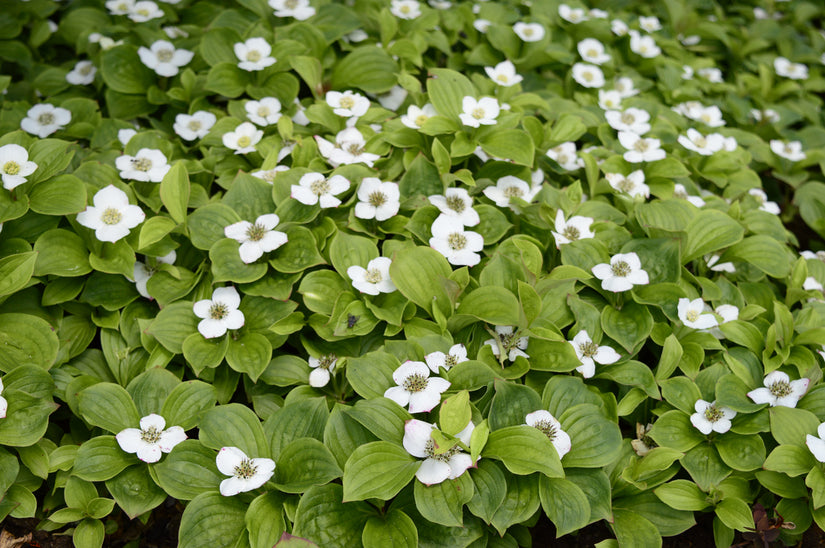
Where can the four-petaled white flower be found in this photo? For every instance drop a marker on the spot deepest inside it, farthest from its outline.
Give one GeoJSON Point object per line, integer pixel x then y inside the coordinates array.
{"type": "Point", "coordinates": [459, 246]}
{"type": "Point", "coordinates": [619, 27]}
{"type": "Point", "coordinates": [314, 188]}
{"type": "Point", "coordinates": [572, 15]}
{"type": "Point", "coordinates": [44, 119]}
{"type": "Point", "coordinates": [149, 164]}
{"type": "Point", "coordinates": [481, 112]}
{"type": "Point", "coordinates": [163, 58]}
{"type": "Point", "coordinates": [566, 156]}
{"type": "Point", "coordinates": [609, 99]}
{"type": "Point", "coordinates": [716, 266]}
{"type": "Point", "coordinates": [349, 148]}
{"type": "Point", "coordinates": [436, 467]}
{"type": "Point", "coordinates": [416, 116]}
{"type": "Point", "coordinates": [416, 388]}
{"type": "Point", "coordinates": [219, 313]}
{"type": "Point", "coordinates": [710, 417]}
{"type": "Point", "coordinates": [640, 149]}
{"type": "Point", "coordinates": [482, 25]}
{"type": "Point", "coordinates": [265, 112]}
{"type": "Point", "coordinates": [706, 145]}
{"type": "Point", "coordinates": [592, 51]}
{"type": "Point", "coordinates": [548, 425]}
{"type": "Point", "coordinates": [392, 99]}
{"type": "Point", "coordinates": [348, 103]}
{"type": "Point", "coordinates": [679, 191]}
{"type": "Point", "coordinates": [82, 74]}
{"type": "Point", "coordinates": [243, 139]}
{"type": "Point", "coordinates": [812, 284]}
{"type": "Point", "coordinates": [634, 120]}
{"type": "Point", "coordinates": [438, 359]}
{"type": "Point", "coordinates": [794, 71]}
{"type": "Point", "coordinates": [405, 9]}
{"type": "Point", "coordinates": [152, 439]}
{"type": "Point", "coordinates": [780, 390]}
{"type": "Point", "coordinates": [504, 74]}
{"type": "Point", "coordinates": [633, 184]}
{"type": "Point", "coordinates": [125, 135]}
{"type": "Point", "coordinates": [143, 11]}
{"type": "Point", "coordinates": [817, 444]}
{"type": "Point", "coordinates": [650, 24]}
{"type": "Point", "coordinates": [589, 352]}
{"type": "Point", "coordinates": [790, 150]}
{"type": "Point", "coordinates": [194, 126]}
{"type": "Point", "coordinates": [574, 228]}
{"type": "Point", "coordinates": [587, 75]}
{"type": "Point", "coordinates": [246, 473]}
{"type": "Point", "coordinates": [256, 238]}
{"type": "Point", "coordinates": [321, 369]}
{"type": "Point", "coordinates": [509, 341]}
{"type": "Point", "coordinates": [377, 199]}
{"type": "Point", "coordinates": [111, 216]}
{"type": "Point", "coordinates": [374, 279]}
{"type": "Point", "coordinates": [4, 405]}
{"type": "Point", "coordinates": [711, 74]}
{"type": "Point", "coordinates": [644, 46]}
{"type": "Point", "coordinates": [254, 54]}
{"type": "Point", "coordinates": [508, 187]}
{"type": "Point", "coordinates": [623, 272]}
{"type": "Point", "coordinates": [15, 165]}
{"type": "Point", "coordinates": [767, 114]}
{"type": "Point", "coordinates": [119, 7]}
{"type": "Point", "coordinates": [457, 203]}
{"type": "Point", "coordinates": [692, 314]}
{"type": "Point", "coordinates": [144, 271]}
{"type": "Point", "coordinates": [299, 9]}
{"type": "Point", "coordinates": [764, 203]}
{"type": "Point", "coordinates": [529, 32]}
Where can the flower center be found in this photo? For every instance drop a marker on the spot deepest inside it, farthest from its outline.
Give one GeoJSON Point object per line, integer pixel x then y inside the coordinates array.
{"type": "Point", "coordinates": [503, 78]}
{"type": "Point", "coordinates": [141, 164]}
{"type": "Point", "coordinates": [405, 9]}
{"type": "Point", "coordinates": [150, 435]}
{"type": "Point", "coordinates": [713, 414]}
{"type": "Point", "coordinates": [85, 69]}
{"type": "Point", "coordinates": [788, 149]}
{"type": "Point", "coordinates": [705, 118]}
{"type": "Point", "coordinates": [143, 11]}
{"type": "Point", "coordinates": [456, 204]}
{"type": "Point", "coordinates": [780, 389]}
{"type": "Point", "coordinates": [347, 102]}
{"type": "Point", "coordinates": [256, 232]}
{"type": "Point", "coordinates": [253, 56]}
{"type": "Point", "coordinates": [457, 241]}
{"type": "Point", "coordinates": [592, 52]}
{"type": "Point", "coordinates": [588, 76]}
{"type": "Point", "coordinates": [194, 125]}
{"type": "Point", "coordinates": [326, 361]}
{"type": "Point", "coordinates": [589, 349]}
{"type": "Point", "coordinates": [415, 383]}
{"type": "Point", "coordinates": [263, 111]}
{"type": "Point", "coordinates": [620, 269]}
{"type": "Point", "coordinates": [319, 187]}
{"type": "Point", "coordinates": [680, 194]}
{"type": "Point", "coordinates": [641, 145]}
{"type": "Point", "coordinates": [291, 4]}
{"type": "Point", "coordinates": [373, 276]}
{"type": "Point", "coordinates": [244, 141]}
{"type": "Point", "coordinates": [571, 233]}
{"type": "Point", "coordinates": [111, 216]}
{"type": "Point", "coordinates": [420, 119]}
{"type": "Point", "coordinates": [701, 142]}
{"type": "Point", "coordinates": [46, 119]}
{"type": "Point", "coordinates": [165, 55]}
{"type": "Point", "coordinates": [11, 168]}
{"type": "Point", "coordinates": [626, 185]}
{"type": "Point", "coordinates": [643, 48]}
{"type": "Point", "coordinates": [692, 315]}
{"type": "Point", "coordinates": [628, 118]}
{"type": "Point", "coordinates": [450, 361]}
{"type": "Point", "coordinates": [513, 192]}
{"type": "Point", "coordinates": [528, 31]}
{"type": "Point", "coordinates": [377, 199]}
{"type": "Point", "coordinates": [429, 450]}
{"type": "Point", "coordinates": [245, 469]}
{"type": "Point", "coordinates": [218, 311]}
{"type": "Point", "coordinates": [478, 113]}
{"type": "Point", "coordinates": [547, 428]}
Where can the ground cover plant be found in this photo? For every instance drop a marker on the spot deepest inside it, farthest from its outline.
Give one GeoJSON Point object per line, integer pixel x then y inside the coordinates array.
{"type": "Point", "coordinates": [396, 273]}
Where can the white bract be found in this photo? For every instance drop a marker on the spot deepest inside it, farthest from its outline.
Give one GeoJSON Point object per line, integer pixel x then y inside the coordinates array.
{"type": "Point", "coordinates": [640, 149]}
{"type": "Point", "coordinates": [812, 284]}
{"type": "Point", "coordinates": [4, 405]}
{"type": "Point", "coordinates": [44, 119]}
{"type": "Point", "coordinates": [592, 51]}
{"type": "Point", "coordinates": [265, 112]}
{"type": "Point", "coordinates": [143, 11]}
{"type": "Point", "coordinates": [119, 7]}
{"type": "Point", "coordinates": [377, 199]}
{"type": "Point", "coordinates": [392, 99]}
{"type": "Point", "coordinates": [764, 203]}
{"type": "Point", "coordinates": [706, 145]}
{"type": "Point", "coordinates": [623, 272]}
{"type": "Point", "coordinates": [644, 46]}
{"type": "Point", "coordinates": [416, 116]}
{"type": "Point", "coordinates": [634, 120]}
{"type": "Point", "coordinates": [794, 71]}
{"type": "Point", "coordinates": [246, 473]}
{"type": "Point", "coordinates": [482, 25]}
{"type": "Point", "coordinates": [711, 74]}
{"type": "Point", "coordinates": [619, 27]}
{"type": "Point", "coordinates": [589, 353]}
{"type": "Point", "coordinates": [692, 314]}
{"type": "Point", "coordinates": [481, 112]}
{"type": "Point", "coordinates": [790, 150]}
{"type": "Point", "coordinates": [314, 188]}
{"type": "Point", "coordinates": [151, 440]}
{"type": "Point", "coordinates": [566, 156]}
{"type": "Point", "coordinates": [416, 388]}
{"type": "Point", "coordinates": [817, 443]}
{"type": "Point", "coordinates": [163, 58]}
{"type": "Point", "coordinates": [548, 425]}
{"type": "Point", "coordinates": [111, 216]}
{"type": "Point", "coordinates": [632, 184]}
{"type": "Point", "coordinates": [15, 165]}
{"type": "Point", "coordinates": [572, 15]}
{"type": "Point", "coordinates": [609, 99]}
{"type": "Point", "coordinates": [194, 126]}
{"type": "Point", "coordinates": [321, 369]}
{"type": "Point", "coordinates": [436, 467]}
{"type": "Point", "coordinates": [144, 271]}
{"type": "Point", "coordinates": [679, 191]}
{"type": "Point", "coordinates": [767, 114]}
{"type": "Point", "coordinates": [256, 238]}
{"type": "Point", "coordinates": [438, 359]}
{"type": "Point", "coordinates": [504, 74]}
{"type": "Point", "coordinates": [780, 390]}
{"type": "Point", "coordinates": [219, 313]}
{"type": "Point", "coordinates": [254, 54]}
{"type": "Point", "coordinates": [716, 266]}
{"type": "Point", "coordinates": [243, 139]}
{"type": "Point", "coordinates": [82, 74]}
{"type": "Point", "coordinates": [508, 341]}
{"type": "Point", "coordinates": [374, 279]}
{"type": "Point", "coordinates": [626, 87]}
{"type": "Point", "coordinates": [529, 32]}
{"type": "Point", "coordinates": [347, 149]}
{"type": "Point", "coordinates": [149, 164]}
{"type": "Point", "coordinates": [508, 187]}
{"type": "Point", "coordinates": [405, 9]}
{"type": "Point", "coordinates": [587, 75]}
{"type": "Point", "coordinates": [574, 228]}
{"type": "Point", "coordinates": [710, 417]}
{"type": "Point", "coordinates": [459, 246]}
{"type": "Point", "coordinates": [649, 24]}
{"type": "Point", "coordinates": [299, 9]}
{"type": "Point", "coordinates": [125, 135]}
{"type": "Point", "coordinates": [457, 203]}
{"type": "Point", "coordinates": [348, 103]}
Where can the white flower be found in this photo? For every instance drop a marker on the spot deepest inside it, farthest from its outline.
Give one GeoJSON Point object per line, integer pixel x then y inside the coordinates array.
{"type": "Point", "coordinates": [634, 120]}
{"type": "Point", "coordinates": [194, 126]}
{"type": "Point", "coordinates": [82, 74]}
{"type": "Point", "coordinates": [706, 145]}
{"type": "Point", "coordinates": [111, 216]}
{"type": "Point", "coordinates": [633, 184]}
{"type": "Point", "coordinates": [358, 35]}
{"type": "Point", "coordinates": [4, 405]}
{"type": "Point", "coordinates": [504, 74]}
{"type": "Point", "coordinates": [151, 440]}
{"type": "Point", "coordinates": [481, 25]}
{"type": "Point", "coordinates": [529, 32]}
{"type": "Point", "coordinates": [377, 200]}
{"type": "Point", "coordinates": [246, 474]}
{"type": "Point", "coordinates": [254, 54]}
{"type": "Point", "coordinates": [479, 112]}
{"type": "Point", "coordinates": [780, 390]}
{"type": "Point", "coordinates": [457, 203]}
{"type": "Point", "coordinates": [679, 191]}
{"type": "Point", "coordinates": [587, 75]}
{"type": "Point", "coordinates": [299, 9]}
{"type": "Point", "coordinates": [691, 40]}
{"type": "Point", "coordinates": [721, 267]}
{"type": "Point", "coordinates": [712, 74]}
{"type": "Point", "coordinates": [348, 149]}
{"type": "Point", "coordinates": [592, 51]}
{"type": "Point", "coordinates": [393, 98]}
{"type": "Point", "coordinates": [143, 11]}
{"type": "Point", "coordinates": [313, 188]}
{"type": "Point", "coordinates": [589, 352]}
{"type": "Point", "coordinates": [644, 46]}
{"type": "Point", "coordinates": [812, 284]}
{"type": "Point", "coordinates": [650, 24]}
{"type": "Point", "coordinates": [163, 58]}
{"type": "Point", "coordinates": [794, 71]}
{"type": "Point", "coordinates": [768, 114]}
{"type": "Point", "coordinates": [609, 99]}
{"type": "Point", "coordinates": [623, 272]}
{"type": "Point", "coordinates": [728, 312]}
{"type": "Point", "coordinates": [687, 72]}
{"type": "Point", "coordinates": [15, 165]}
{"type": "Point", "coordinates": [619, 27]}
{"type": "Point", "coordinates": [626, 87]}
{"type": "Point", "coordinates": [258, 238]}
{"type": "Point", "coordinates": [640, 149]}
{"type": "Point", "coordinates": [710, 116]}
{"type": "Point", "coordinates": [566, 156]}
{"type": "Point", "coordinates": [125, 135]}
{"type": "Point", "coordinates": [348, 103]}
{"type": "Point", "coordinates": [459, 246]}
{"type": "Point", "coordinates": [509, 341]}
{"type": "Point", "coordinates": [764, 204]}
{"type": "Point", "coordinates": [574, 228]}
{"type": "Point", "coordinates": [243, 139]}
{"type": "Point", "coordinates": [817, 444]}
{"type": "Point", "coordinates": [436, 467]}
{"type": "Point", "coordinates": [416, 116]}
{"type": "Point", "coordinates": [510, 187]}
{"type": "Point", "coordinates": [710, 417]}
{"type": "Point", "coordinates": [790, 150]}
{"type": "Point", "coordinates": [440, 4]}
{"type": "Point", "coordinates": [416, 388]}
{"type": "Point", "coordinates": [321, 369]}
{"type": "Point", "coordinates": [374, 279]}
{"type": "Point", "coordinates": [405, 9]}
{"type": "Point", "coordinates": [818, 255]}
{"type": "Point", "coordinates": [691, 314]}
{"type": "Point", "coordinates": [149, 164]}
{"type": "Point", "coordinates": [219, 313]}
{"type": "Point", "coordinates": [144, 271]}
{"type": "Point", "coordinates": [119, 7]}
{"type": "Point", "coordinates": [269, 174]}
{"type": "Point", "coordinates": [265, 112]}
{"type": "Point", "coordinates": [598, 14]}
{"type": "Point", "coordinates": [44, 119]}
{"type": "Point", "coordinates": [173, 32]}
{"type": "Point", "coordinates": [572, 15]}
{"type": "Point", "coordinates": [300, 116]}
{"type": "Point", "coordinates": [456, 355]}
{"type": "Point", "coordinates": [550, 427]}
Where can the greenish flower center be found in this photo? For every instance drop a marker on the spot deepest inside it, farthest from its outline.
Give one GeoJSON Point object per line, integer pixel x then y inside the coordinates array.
{"type": "Point", "coordinates": [456, 204]}
{"type": "Point", "coordinates": [111, 216]}
{"type": "Point", "coordinates": [478, 113]}
{"type": "Point", "coordinates": [571, 233]}
{"type": "Point", "coordinates": [263, 111]}
{"type": "Point", "coordinates": [641, 145]}
{"type": "Point", "coordinates": [46, 119]}
{"type": "Point", "coordinates": [373, 276]}
{"type": "Point", "coordinates": [503, 78]}
{"type": "Point", "coordinates": [713, 413]}
{"type": "Point", "coordinates": [420, 119]}
{"type": "Point", "coordinates": [588, 76]}
{"type": "Point", "coordinates": [291, 4]}
{"type": "Point", "coordinates": [620, 269]}
{"type": "Point", "coordinates": [588, 349]}
{"type": "Point", "coordinates": [256, 232]}
{"type": "Point", "coordinates": [319, 187]}
{"type": "Point", "coordinates": [85, 69]}
{"type": "Point", "coordinates": [513, 192]}
{"type": "Point", "coordinates": [701, 142]}
{"type": "Point", "coordinates": [528, 31]}
{"type": "Point", "coordinates": [11, 168]}
{"type": "Point", "coordinates": [194, 125]}
{"type": "Point", "coordinates": [253, 56]}
{"type": "Point", "coordinates": [245, 469]}
{"type": "Point", "coordinates": [141, 164]}
{"type": "Point", "coordinates": [347, 102]}
{"type": "Point", "coordinates": [244, 141]}
{"type": "Point", "coordinates": [377, 199]}
{"type": "Point", "coordinates": [354, 149]}
{"type": "Point", "coordinates": [780, 389]}
{"type": "Point", "coordinates": [547, 428]}
{"type": "Point", "coordinates": [628, 118]}
{"type": "Point", "coordinates": [415, 383]}
{"type": "Point", "coordinates": [456, 241]}
{"type": "Point", "coordinates": [429, 450]}
{"type": "Point", "coordinates": [150, 435]}
{"type": "Point", "coordinates": [692, 315]}
{"type": "Point", "coordinates": [218, 311]}
{"type": "Point", "coordinates": [326, 361]}
{"type": "Point", "coordinates": [450, 361]}
{"type": "Point", "coordinates": [165, 55]}
{"type": "Point", "coordinates": [626, 185]}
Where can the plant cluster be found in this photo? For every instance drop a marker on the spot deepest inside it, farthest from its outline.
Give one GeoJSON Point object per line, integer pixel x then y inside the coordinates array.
{"type": "Point", "coordinates": [396, 273]}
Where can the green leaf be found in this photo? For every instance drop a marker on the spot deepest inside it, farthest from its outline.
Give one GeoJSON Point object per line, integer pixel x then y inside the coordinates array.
{"type": "Point", "coordinates": [490, 489]}
{"type": "Point", "coordinates": [512, 144]}
{"type": "Point", "coordinates": [212, 520]}
{"type": "Point", "coordinates": [100, 459]}
{"type": "Point", "coordinates": [682, 495]}
{"type": "Point", "coordinates": [455, 413]}
{"type": "Point", "coordinates": [89, 533]}
{"type": "Point", "coordinates": [348, 250]}
{"type": "Point", "coordinates": [233, 425]}
{"type": "Point", "coordinates": [564, 503]}
{"type": "Point", "coordinates": [207, 222]}
{"type": "Point", "coordinates": [188, 471]}
{"type": "Point", "coordinates": [173, 324]}
{"type": "Point", "coordinates": [16, 271]}
{"type": "Point", "coordinates": [227, 265]}
{"type": "Point", "coordinates": [744, 453]}
{"type": "Point", "coordinates": [26, 339]}
{"type": "Point", "coordinates": [382, 417]}
{"type": "Point", "coordinates": [629, 327]}
{"type": "Point", "coordinates": [302, 419]}
{"type": "Point", "coordinates": [446, 89]}
{"type": "Point", "coordinates": [763, 252]}
{"type": "Point", "coordinates": [135, 492]}
{"type": "Point", "coordinates": [366, 67]}
{"type": "Point", "coordinates": [491, 304]}
{"type": "Point", "coordinates": [705, 467]}
{"type": "Point", "coordinates": [524, 450]}
{"type": "Point", "coordinates": [735, 513]}
{"type": "Point", "coordinates": [710, 230]}
{"type": "Point", "coordinates": [299, 253]}
{"type": "Point", "coordinates": [322, 518]}
{"type": "Point", "coordinates": [204, 353]}
{"type": "Point", "coordinates": [631, 529]}
{"type": "Point", "coordinates": [443, 502]}
{"type": "Point", "coordinates": [265, 520]}
{"type": "Point", "coordinates": [303, 463]}
{"type": "Point", "coordinates": [123, 71]}
{"type": "Point", "coordinates": [393, 530]}
{"type": "Point", "coordinates": [511, 404]}
{"type": "Point", "coordinates": [51, 157]}
{"type": "Point", "coordinates": [419, 274]}
{"type": "Point", "coordinates": [790, 426]}
{"type": "Point", "coordinates": [174, 192]}
{"type": "Point", "coordinates": [62, 195]}
{"type": "Point", "coordinates": [371, 374]}
{"type": "Point", "coordinates": [674, 430]}
{"type": "Point", "coordinates": [681, 392]}
{"type": "Point", "coordinates": [596, 440]}
{"type": "Point", "coordinates": [249, 354]}
{"type": "Point", "coordinates": [378, 470]}
{"type": "Point", "coordinates": [226, 79]}
{"type": "Point", "coordinates": [108, 406]}
{"type": "Point", "coordinates": [153, 230]}
{"type": "Point", "coordinates": [519, 504]}
{"type": "Point", "coordinates": [186, 402]}
{"type": "Point", "coordinates": [792, 460]}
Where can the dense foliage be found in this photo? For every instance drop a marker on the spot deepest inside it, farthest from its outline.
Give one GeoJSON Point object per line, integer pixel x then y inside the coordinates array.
{"type": "Point", "coordinates": [396, 273]}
